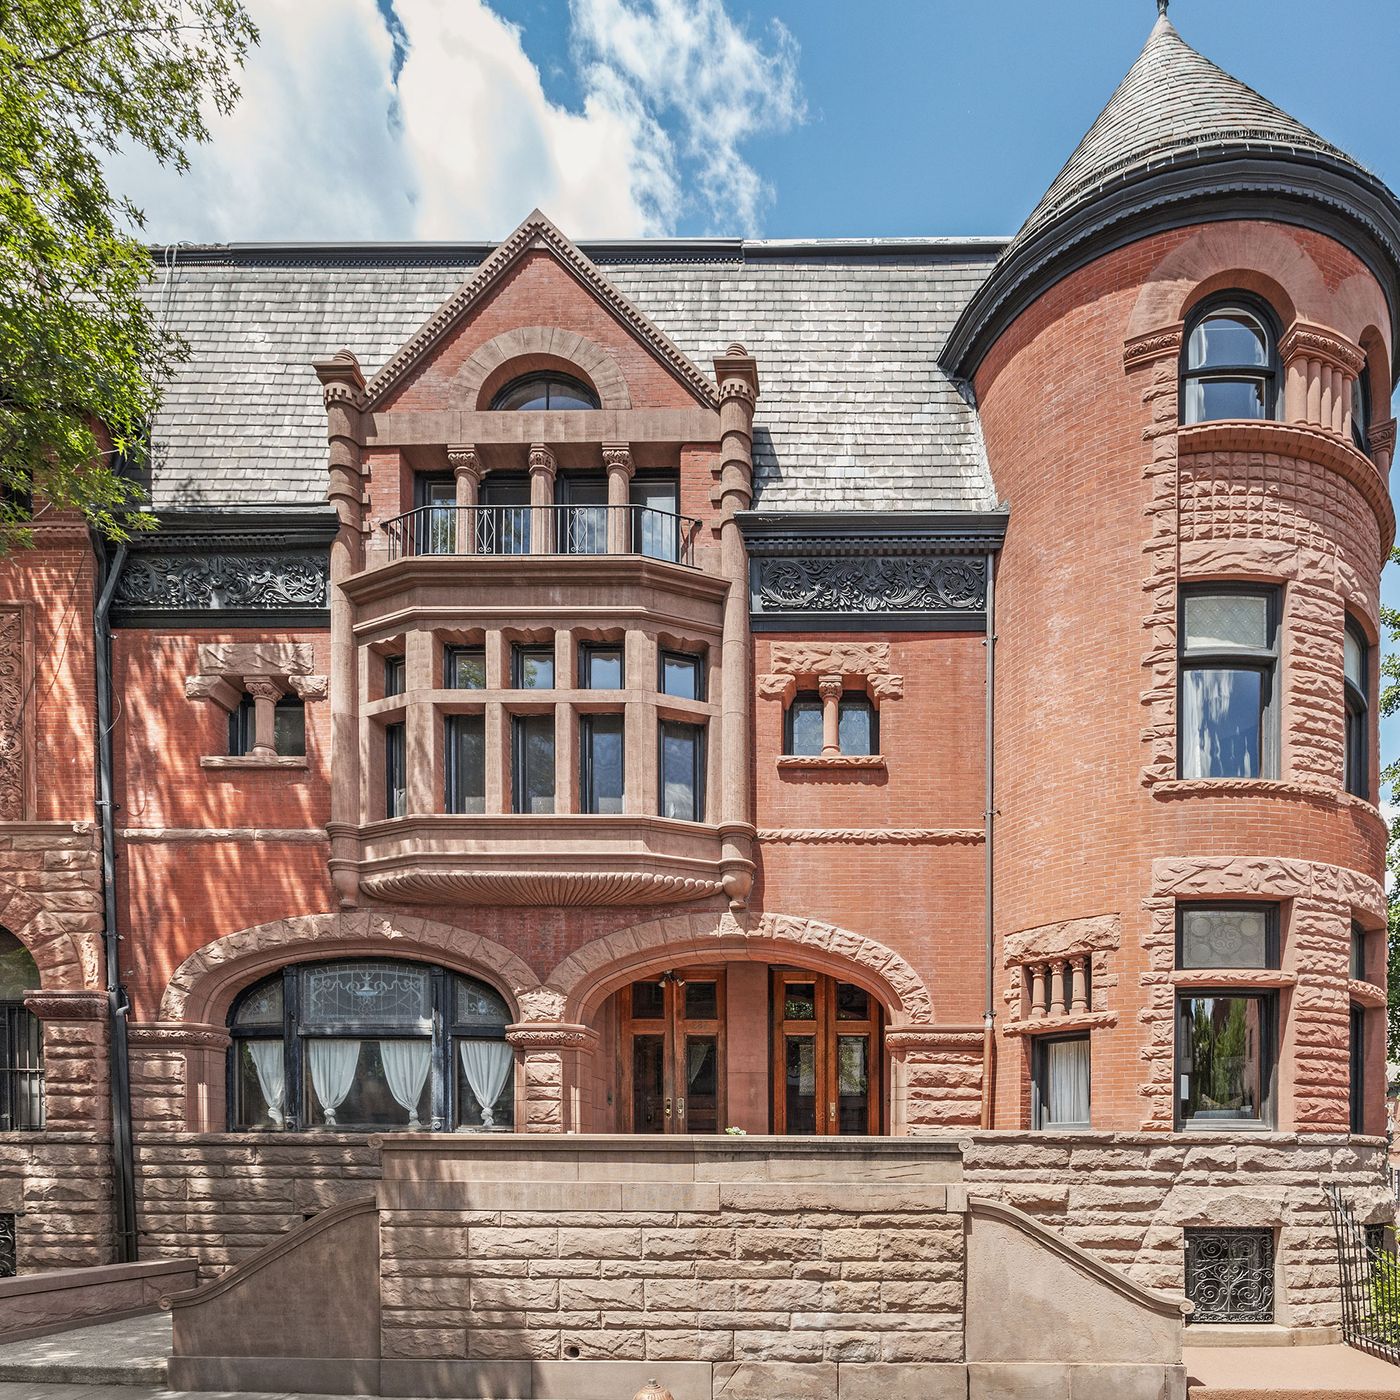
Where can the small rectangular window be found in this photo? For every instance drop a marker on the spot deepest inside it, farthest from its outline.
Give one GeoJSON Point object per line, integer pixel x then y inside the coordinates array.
{"type": "Point", "coordinates": [682, 675]}
{"type": "Point", "coordinates": [1060, 1087]}
{"type": "Point", "coordinates": [465, 762]}
{"type": "Point", "coordinates": [532, 668]}
{"type": "Point", "coordinates": [1225, 1059]}
{"type": "Point", "coordinates": [600, 666]}
{"type": "Point", "coordinates": [533, 767]}
{"type": "Point", "coordinates": [466, 668]}
{"type": "Point", "coordinates": [394, 676]}
{"type": "Point", "coordinates": [288, 728]}
{"type": "Point", "coordinates": [395, 792]}
{"type": "Point", "coordinates": [601, 745]}
{"type": "Point", "coordinates": [1227, 680]}
{"type": "Point", "coordinates": [682, 771]}
{"type": "Point", "coordinates": [858, 730]}
{"type": "Point", "coordinates": [1357, 687]}
{"type": "Point", "coordinates": [804, 726]}
{"type": "Point", "coordinates": [1357, 970]}
{"type": "Point", "coordinates": [21, 1066]}
{"type": "Point", "coordinates": [1358, 1069]}
{"type": "Point", "coordinates": [1228, 935]}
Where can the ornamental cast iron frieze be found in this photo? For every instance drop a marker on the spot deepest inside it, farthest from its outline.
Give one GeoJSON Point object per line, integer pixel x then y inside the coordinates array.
{"type": "Point", "coordinates": [1230, 1275]}
{"type": "Point", "coordinates": [224, 581]}
{"type": "Point", "coordinates": [931, 584]}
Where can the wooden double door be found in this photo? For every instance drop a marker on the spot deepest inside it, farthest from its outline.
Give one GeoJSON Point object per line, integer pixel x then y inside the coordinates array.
{"type": "Point", "coordinates": [825, 1054]}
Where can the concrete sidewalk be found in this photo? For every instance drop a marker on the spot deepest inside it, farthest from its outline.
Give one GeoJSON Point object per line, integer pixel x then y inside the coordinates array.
{"type": "Point", "coordinates": [1288, 1373]}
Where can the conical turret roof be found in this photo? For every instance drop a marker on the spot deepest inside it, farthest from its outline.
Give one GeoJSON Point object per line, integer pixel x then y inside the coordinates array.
{"type": "Point", "coordinates": [1173, 100]}
{"type": "Point", "coordinates": [1180, 141]}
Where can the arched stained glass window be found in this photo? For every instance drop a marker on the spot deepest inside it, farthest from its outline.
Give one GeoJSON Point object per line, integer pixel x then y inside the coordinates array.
{"type": "Point", "coordinates": [371, 1045]}
{"type": "Point", "coordinates": [549, 393]}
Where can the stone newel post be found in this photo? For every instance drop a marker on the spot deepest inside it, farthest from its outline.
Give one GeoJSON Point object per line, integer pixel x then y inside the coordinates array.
{"type": "Point", "coordinates": [343, 387]}
{"type": "Point", "coordinates": [737, 374]}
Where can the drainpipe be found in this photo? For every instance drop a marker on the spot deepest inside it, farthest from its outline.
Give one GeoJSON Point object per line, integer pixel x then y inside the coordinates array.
{"type": "Point", "coordinates": [989, 817]}
{"type": "Point", "coordinates": [119, 1078]}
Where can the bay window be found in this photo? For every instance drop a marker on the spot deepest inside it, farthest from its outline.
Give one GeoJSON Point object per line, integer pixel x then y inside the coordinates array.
{"type": "Point", "coordinates": [395, 771]}
{"type": "Point", "coordinates": [601, 759]}
{"type": "Point", "coordinates": [533, 762]}
{"type": "Point", "coordinates": [1227, 682]}
{"type": "Point", "coordinates": [465, 767]}
{"type": "Point", "coordinates": [1227, 935]}
{"type": "Point", "coordinates": [372, 1045]}
{"type": "Point", "coordinates": [1230, 366]}
{"type": "Point", "coordinates": [682, 771]}
{"type": "Point", "coordinates": [465, 668]}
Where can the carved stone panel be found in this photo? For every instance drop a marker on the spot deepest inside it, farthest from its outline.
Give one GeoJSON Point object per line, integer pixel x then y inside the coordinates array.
{"type": "Point", "coordinates": [12, 716]}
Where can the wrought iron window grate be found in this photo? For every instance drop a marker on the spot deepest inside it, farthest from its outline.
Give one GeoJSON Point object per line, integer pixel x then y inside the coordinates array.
{"type": "Point", "coordinates": [1369, 1270]}
{"type": "Point", "coordinates": [7, 1246]}
{"type": "Point", "coordinates": [21, 1069]}
{"type": "Point", "coordinates": [1230, 1275]}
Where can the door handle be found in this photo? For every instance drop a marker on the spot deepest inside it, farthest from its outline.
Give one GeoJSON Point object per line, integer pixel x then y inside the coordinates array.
{"type": "Point", "coordinates": [668, 1108]}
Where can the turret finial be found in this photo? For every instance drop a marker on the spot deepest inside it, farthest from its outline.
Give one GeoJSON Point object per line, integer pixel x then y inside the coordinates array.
{"type": "Point", "coordinates": [1162, 6]}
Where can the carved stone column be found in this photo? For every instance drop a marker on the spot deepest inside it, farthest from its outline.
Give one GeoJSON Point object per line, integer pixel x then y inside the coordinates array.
{"type": "Point", "coordinates": [617, 460]}
{"type": "Point", "coordinates": [266, 693]}
{"type": "Point", "coordinates": [343, 388]}
{"type": "Point", "coordinates": [1320, 367]}
{"type": "Point", "coordinates": [829, 688]}
{"type": "Point", "coordinates": [542, 472]}
{"type": "Point", "coordinates": [1079, 972]}
{"type": "Point", "coordinates": [548, 1094]}
{"type": "Point", "coordinates": [467, 469]}
{"type": "Point", "coordinates": [736, 372]}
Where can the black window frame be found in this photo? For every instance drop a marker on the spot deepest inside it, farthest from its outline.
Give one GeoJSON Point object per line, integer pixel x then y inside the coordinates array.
{"type": "Point", "coordinates": [545, 377]}
{"type": "Point", "coordinates": [1040, 1070]}
{"type": "Point", "coordinates": [441, 1027]}
{"type": "Point", "coordinates": [1264, 660]}
{"type": "Point", "coordinates": [1356, 961]}
{"type": "Point", "coordinates": [1356, 1067]}
{"type": "Point", "coordinates": [434, 521]}
{"type": "Point", "coordinates": [1356, 760]}
{"type": "Point", "coordinates": [519, 651]}
{"type": "Point", "coordinates": [1270, 1025]}
{"type": "Point", "coordinates": [453, 797]}
{"type": "Point", "coordinates": [450, 656]}
{"type": "Point", "coordinates": [242, 726]}
{"type": "Point", "coordinates": [698, 757]}
{"type": "Point", "coordinates": [518, 742]}
{"type": "Point", "coordinates": [1361, 422]}
{"type": "Point", "coordinates": [588, 652]}
{"type": "Point", "coordinates": [858, 701]}
{"type": "Point", "coordinates": [806, 700]}
{"type": "Point", "coordinates": [395, 676]}
{"type": "Point", "coordinates": [587, 723]}
{"type": "Point", "coordinates": [395, 769]}
{"type": "Point", "coordinates": [1273, 950]}
{"type": "Point", "coordinates": [694, 660]}
{"type": "Point", "coordinates": [1270, 375]}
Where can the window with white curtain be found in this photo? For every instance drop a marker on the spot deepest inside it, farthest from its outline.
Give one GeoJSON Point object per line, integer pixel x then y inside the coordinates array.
{"type": "Point", "coordinates": [1060, 1086]}
{"type": "Point", "coordinates": [373, 1045]}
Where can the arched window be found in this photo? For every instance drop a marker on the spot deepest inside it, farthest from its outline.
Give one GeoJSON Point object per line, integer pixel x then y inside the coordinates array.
{"type": "Point", "coordinates": [1230, 362]}
{"type": "Point", "coordinates": [551, 393]}
{"type": "Point", "coordinates": [1357, 684]}
{"type": "Point", "coordinates": [1361, 413]}
{"type": "Point", "coordinates": [370, 1046]}
{"type": "Point", "coordinates": [21, 1040]}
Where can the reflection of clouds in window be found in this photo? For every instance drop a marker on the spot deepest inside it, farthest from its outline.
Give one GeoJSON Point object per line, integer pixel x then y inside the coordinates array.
{"type": "Point", "coordinates": [1220, 723]}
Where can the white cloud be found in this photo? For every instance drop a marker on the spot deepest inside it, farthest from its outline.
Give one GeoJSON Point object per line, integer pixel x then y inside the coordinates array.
{"type": "Point", "coordinates": [326, 144]}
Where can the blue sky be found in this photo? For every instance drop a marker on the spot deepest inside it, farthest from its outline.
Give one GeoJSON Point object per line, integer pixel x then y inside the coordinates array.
{"type": "Point", "coordinates": [450, 119]}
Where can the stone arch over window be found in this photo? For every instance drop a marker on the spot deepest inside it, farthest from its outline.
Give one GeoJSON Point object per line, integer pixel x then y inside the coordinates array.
{"type": "Point", "coordinates": [203, 987]}
{"type": "Point", "coordinates": [586, 978]}
{"type": "Point", "coordinates": [529, 349]}
{"type": "Point", "coordinates": [66, 960]}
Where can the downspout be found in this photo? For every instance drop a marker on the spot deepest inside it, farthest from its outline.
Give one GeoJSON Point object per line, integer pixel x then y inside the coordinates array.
{"type": "Point", "coordinates": [119, 1079]}
{"type": "Point", "coordinates": [989, 817]}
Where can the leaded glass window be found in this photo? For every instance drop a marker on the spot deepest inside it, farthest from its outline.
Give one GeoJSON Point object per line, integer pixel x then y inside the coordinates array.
{"type": "Point", "coordinates": [1227, 936]}
{"type": "Point", "coordinates": [370, 1045]}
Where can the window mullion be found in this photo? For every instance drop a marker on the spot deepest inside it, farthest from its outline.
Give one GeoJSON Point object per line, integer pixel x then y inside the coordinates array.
{"type": "Point", "coordinates": [440, 1072]}
{"type": "Point", "coordinates": [291, 1048]}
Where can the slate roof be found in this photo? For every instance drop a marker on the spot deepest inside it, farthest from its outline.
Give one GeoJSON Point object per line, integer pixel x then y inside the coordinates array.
{"type": "Point", "coordinates": [1172, 100]}
{"type": "Point", "coordinates": [854, 411]}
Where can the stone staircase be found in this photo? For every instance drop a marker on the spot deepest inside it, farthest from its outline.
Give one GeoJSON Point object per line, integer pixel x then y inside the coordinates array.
{"type": "Point", "coordinates": [1288, 1373]}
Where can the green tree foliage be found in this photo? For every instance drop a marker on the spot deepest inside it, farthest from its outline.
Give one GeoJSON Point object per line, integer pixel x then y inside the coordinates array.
{"type": "Point", "coordinates": [82, 357]}
{"type": "Point", "coordinates": [1390, 782]}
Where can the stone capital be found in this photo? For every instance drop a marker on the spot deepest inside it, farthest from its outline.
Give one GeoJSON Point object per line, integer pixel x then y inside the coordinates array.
{"type": "Point", "coordinates": [464, 460]}
{"type": "Point", "coordinates": [829, 687]}
{"type": "Point", "coordinates": [552, 1036]}
{"type": "Point", "coordinates": [542, 459]}
{"type": "Point", "coordinates": [178, 1035]}
{"type": "Point", "coordinates": [263, 688]}
{"type": "Point", "coordinates": [617, 457]}
{"type": "Point", "coordinates": [1307, 341]}
{"type": "Point", "coordinates": [87, 1004]}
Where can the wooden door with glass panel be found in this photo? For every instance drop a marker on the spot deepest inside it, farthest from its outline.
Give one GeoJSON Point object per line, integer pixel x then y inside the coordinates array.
{"type": "Point", "coordinates": [673, 1053]}
{"type": "Point", "coordinates": [827, 1056]}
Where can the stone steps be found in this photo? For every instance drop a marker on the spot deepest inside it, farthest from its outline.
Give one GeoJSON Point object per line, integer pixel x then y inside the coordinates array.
{"type": "Point", "coordinates": [130, 1352]}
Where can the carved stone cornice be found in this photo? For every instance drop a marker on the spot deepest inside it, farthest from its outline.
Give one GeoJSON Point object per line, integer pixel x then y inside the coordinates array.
{"type": "Point", "coordinates": [178, 1035]}
{"type": "Point", "coordinates": [537, 233]}
{"type": "Point", "coordinates": [87, 1004]}
{"type": "Point", "coordinates": [556, 1035]}
{"type": "Point", "coordinates": [342, 379]}
{"type": "Point", "coordinates": [871, 836]}
{"type": "Point", "coordinates": [1155, 345]}
{"type": "Point", "coordinates": [777, 688]}
{"type": "Point", "coordinates": [1305, 340]}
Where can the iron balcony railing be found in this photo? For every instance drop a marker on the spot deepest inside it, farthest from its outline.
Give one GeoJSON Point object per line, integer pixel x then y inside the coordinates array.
{"type": "Point", "coordinates": [1370, 1279]}
{"type": "Point", "coordinates": [643, 530]}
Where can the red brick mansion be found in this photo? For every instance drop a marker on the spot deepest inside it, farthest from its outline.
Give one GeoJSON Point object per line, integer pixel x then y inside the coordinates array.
{"type": "Point", "coordinates": [895, 690]}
